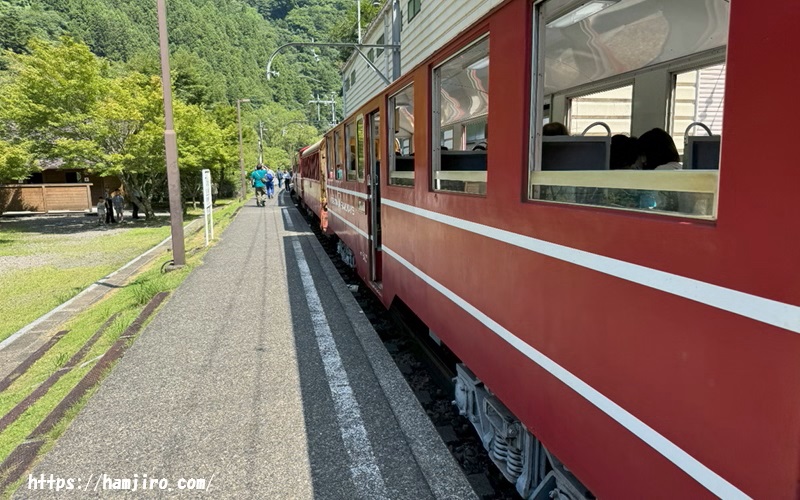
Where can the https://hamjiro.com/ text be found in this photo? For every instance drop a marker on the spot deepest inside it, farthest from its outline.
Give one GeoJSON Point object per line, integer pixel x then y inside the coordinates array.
{"type": "Point", "coordinates": [104, 482]}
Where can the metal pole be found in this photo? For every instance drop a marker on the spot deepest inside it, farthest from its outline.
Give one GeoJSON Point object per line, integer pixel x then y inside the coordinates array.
{"type": "Point", "coordinates": [260, 142]}
{"type": "Point", "coordinates": [171, 146]}
{"type": "Point", "coordinates": [396, 22]}
{"type": "Point", "coordinates": [358, 2]}
{"type": "Point", "coordinates": [243, 188]}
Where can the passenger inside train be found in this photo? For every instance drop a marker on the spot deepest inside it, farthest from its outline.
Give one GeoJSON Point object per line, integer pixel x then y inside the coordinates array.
{"type": "Point", "coordinates": [624, 153]}
{"type": "Point", "coordinates": [603, 73]}
{"type": "Point", "coordinates": [554, 128]}
{"type": "Point", "coordinates": [658, 151]}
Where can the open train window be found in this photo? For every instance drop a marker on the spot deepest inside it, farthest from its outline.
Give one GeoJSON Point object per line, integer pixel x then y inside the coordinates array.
{"type": "Point", "coordinates": [609, 61]}
{"type": "Point", "coordinates": [330, 157]}
{"type": "Point", "coordinates": [351, 155]}
{"type": "Point", "coordinates": [338, 147]}
{"type": "Point", "coordinates": [461, 104]}
{"type": "Point", "coordinates": [401, 136]}
{"type": "Point", "coordinates": [360, 148]}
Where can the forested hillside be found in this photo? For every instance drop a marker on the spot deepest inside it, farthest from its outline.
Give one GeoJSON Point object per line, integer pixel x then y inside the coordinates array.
{"type": "Point", "coordinates": [225, 43]}
{"type": "Point", "coordinates": [219, 53]}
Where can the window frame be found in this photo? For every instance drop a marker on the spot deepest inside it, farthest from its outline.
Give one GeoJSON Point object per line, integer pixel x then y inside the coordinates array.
{"type": "Point", "coordinates": [330, 146]}
{"type": "Point", "coordinates": [350, 174]}
{"type": "Point", "coordinates": [360, 156]}
{"type": "Point", "coordinates": [537, 100]}
{"type": "Point", "coordinates": [379, 50]}
{"type": "Point", "coordinates": [413, 8]}
{"type": "Point", "coordinates": [338, 152]}
{"type": "Point", "coordinates": [684, 67]}
{"type": "Point", "coordinates": [391, 163]}
{"type": "Point", "coordinates": [614, 83]}
{"type": "Point", "coordinates": [435, 125]}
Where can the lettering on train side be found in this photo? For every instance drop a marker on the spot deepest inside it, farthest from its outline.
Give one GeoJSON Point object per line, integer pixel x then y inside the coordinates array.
{"type": "Point", "coordinates": [344, 207]}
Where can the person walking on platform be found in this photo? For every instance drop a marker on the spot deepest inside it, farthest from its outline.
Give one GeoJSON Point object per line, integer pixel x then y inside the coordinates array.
{"type": "Point", "coordinates": [287, 179]}
{"type": "Point", "coordinates": [258, 178]}
{"type": "Point", "coordinates": [269, 179]}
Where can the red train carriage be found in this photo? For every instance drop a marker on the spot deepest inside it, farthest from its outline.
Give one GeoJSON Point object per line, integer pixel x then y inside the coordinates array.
{"type": "Point", "coordinates": [353, 191]}
{"type": "Point", "coordinates": [627, 321]}
{"type": "Point", "coordinates": [310, 181]}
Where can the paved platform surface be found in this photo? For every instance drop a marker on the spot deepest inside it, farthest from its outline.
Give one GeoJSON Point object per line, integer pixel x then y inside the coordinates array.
{"type": "Point", "coordinates": [262, 377]}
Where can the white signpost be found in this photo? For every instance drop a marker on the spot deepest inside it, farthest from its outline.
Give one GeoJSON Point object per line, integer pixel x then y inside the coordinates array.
{"type": "Point", "coordinates": [208, 215]}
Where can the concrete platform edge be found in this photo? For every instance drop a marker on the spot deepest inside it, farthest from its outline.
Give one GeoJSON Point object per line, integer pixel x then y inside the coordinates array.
{"type": "Point", "coordinates": [445, 478]}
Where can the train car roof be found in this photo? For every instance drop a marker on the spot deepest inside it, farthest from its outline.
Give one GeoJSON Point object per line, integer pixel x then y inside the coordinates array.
{"type": "Point", "coordinates": [311, 149]}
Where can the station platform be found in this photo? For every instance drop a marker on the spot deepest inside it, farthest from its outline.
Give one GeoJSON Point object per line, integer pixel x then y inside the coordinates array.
{"type": "Point", "coordinates": [259, 378]}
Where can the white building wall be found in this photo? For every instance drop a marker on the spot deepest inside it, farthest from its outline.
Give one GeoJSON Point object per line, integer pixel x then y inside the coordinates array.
{"type": "Point", "coordinates": [437, 23]}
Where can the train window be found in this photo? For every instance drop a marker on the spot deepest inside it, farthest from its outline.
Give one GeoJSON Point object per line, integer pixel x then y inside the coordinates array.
{"type": "Point", "coordinates": [475, 135]}
{"type": "Point", "coordinates": [338, 146]}
{"type": "Point", "coordinates": [401, 135]}
{"type": "Point", "coordinates": [610, 107]}
{"type": "Point", "coordinates": [447, 138]}
{"type": "Point", "coordinates": [360, 147]}
{"type": "Point", "coordinates": [330, 163]}
{"type": "Point", "coordinates": [609, 64]}
{"type": "Point", "coordinates": [698, 97]}
{"type": "Point", "coordinates": [461, 105]}
{"type": "Point", "coordinates": [350, 152]}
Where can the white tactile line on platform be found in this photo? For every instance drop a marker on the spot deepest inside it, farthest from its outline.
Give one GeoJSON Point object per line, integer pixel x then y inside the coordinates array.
{"type": "Point", "coordinates": [364, 469]}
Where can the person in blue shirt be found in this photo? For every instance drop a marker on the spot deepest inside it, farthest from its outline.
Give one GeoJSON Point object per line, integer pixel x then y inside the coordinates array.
{"type": "Point", "coordinates": [269, 180]}
{"type": "Point", "coordinates": [258, 179]}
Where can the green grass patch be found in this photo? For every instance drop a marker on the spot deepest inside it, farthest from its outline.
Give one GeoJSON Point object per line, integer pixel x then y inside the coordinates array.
{"type": "Point", "coordinates": [67, 267]}
{"type": "Point", "coordinates": [128, 302]}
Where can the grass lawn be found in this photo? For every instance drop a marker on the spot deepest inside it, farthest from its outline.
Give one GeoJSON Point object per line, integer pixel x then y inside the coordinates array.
{"type": "Point", "coordinates": [45, 261]}
{"type": "Point", "coordinates": [128, 301]}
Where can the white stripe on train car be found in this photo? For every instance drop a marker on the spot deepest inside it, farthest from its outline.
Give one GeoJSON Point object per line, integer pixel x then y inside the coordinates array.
{"type": "Point", "coordinates": [699, 472]}
{"type": "Point", "coordinates": [363, 196]}
{"type": "Point", "coordinates": [761, 309]}
{"type": "Point", "coordinates": [348, 223]}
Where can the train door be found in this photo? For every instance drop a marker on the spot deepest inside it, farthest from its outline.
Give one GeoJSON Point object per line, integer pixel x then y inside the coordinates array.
{"type": "Point", "coordinates": [374, 184]}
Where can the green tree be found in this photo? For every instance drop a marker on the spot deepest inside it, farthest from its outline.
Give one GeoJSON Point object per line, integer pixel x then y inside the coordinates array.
{"type": "Point", "coordinates": [16, 164]}
{"type": "Point", "coordinates": [49, 97]}
{"type": "Point", "coordinates": [201, 145]}
{"type": "Point", "coordinates": [128, 129]}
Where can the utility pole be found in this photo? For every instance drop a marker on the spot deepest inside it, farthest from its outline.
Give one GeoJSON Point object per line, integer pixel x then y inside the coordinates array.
{"type": "Point", "coordinates": [332, 103]}
{"type": "Point", "coordinates": [171, 146]}
{"type": "Point", "coordinates": [358, 2]}
{"type": "Point", "coordinates": [260, 142]}
{"type": "Point", "coordinates": [243, 188]}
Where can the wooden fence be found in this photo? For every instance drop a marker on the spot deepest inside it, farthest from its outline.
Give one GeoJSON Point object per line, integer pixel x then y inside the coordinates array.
{"type": "Point", "coordinates": [45, 197]}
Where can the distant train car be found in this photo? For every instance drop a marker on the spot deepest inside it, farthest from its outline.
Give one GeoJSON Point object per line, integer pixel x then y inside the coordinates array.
{"type": "Point", "coordinates": [309, 180]}
{"type": "Point", "coordinates": [624, 296]}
